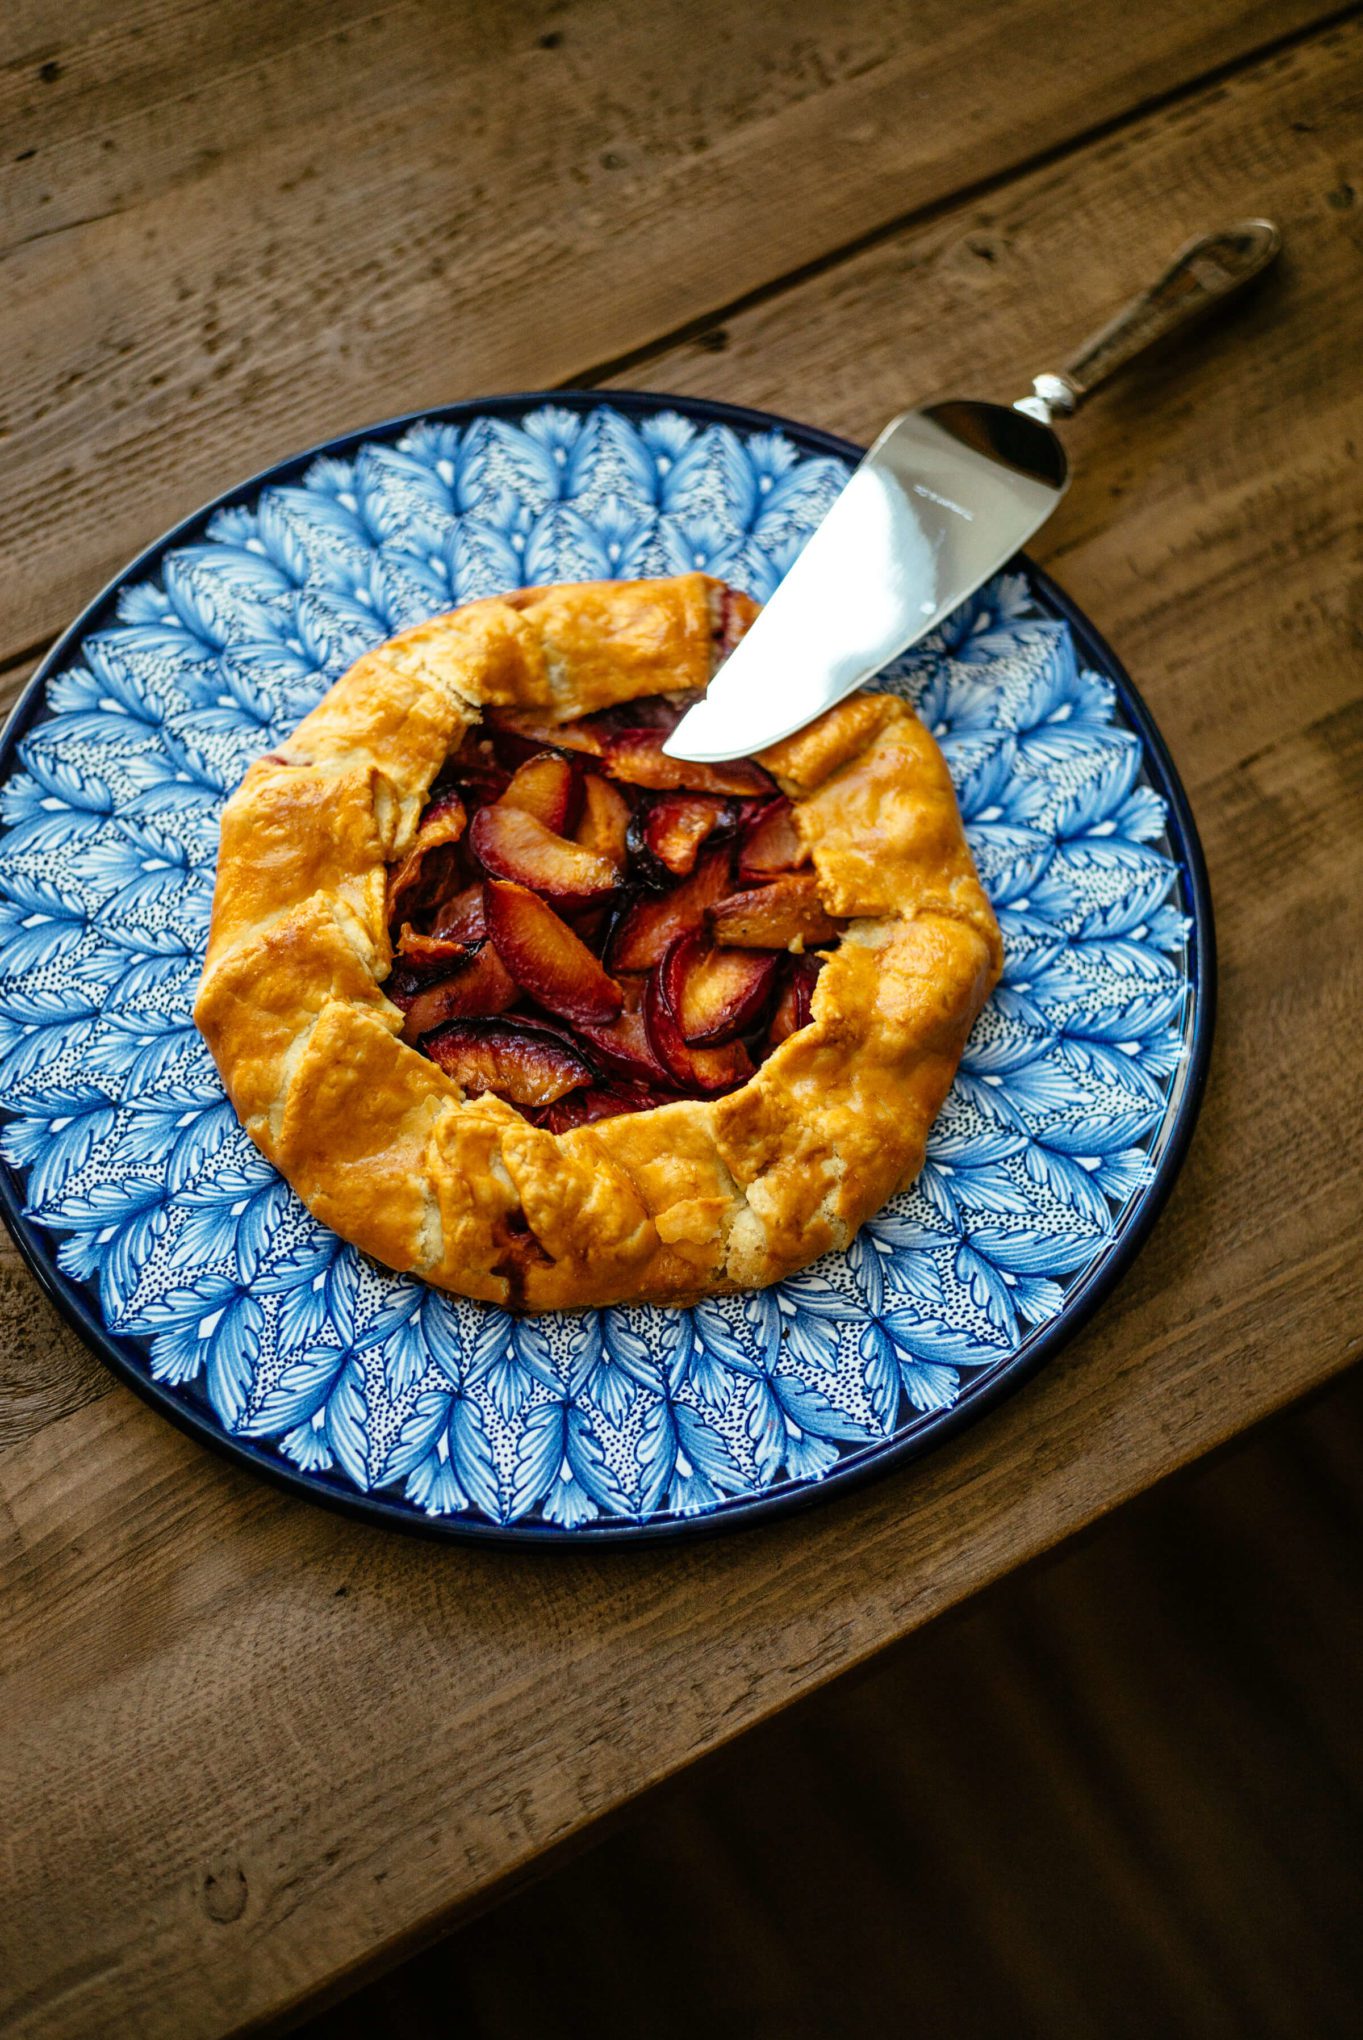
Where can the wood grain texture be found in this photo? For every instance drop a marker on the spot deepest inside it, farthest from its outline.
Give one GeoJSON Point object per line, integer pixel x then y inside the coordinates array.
{"type": "Point", "coordinates": [251, 1748]}
{"type": "Point", "coordinates": [14, 677]}
{"type": "Point", "coordinates": [1213, 528]}
{"type": "Point", "coordinates": [46, 1372]}
{"type": "Point", "coordinates": [229, 230]}
{"type": "Point", "coordinates": [1119, 1795]}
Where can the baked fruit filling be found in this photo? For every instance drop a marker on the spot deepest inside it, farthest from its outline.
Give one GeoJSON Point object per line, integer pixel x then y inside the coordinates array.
{"type": "Point", "coordinates": [585, 926]}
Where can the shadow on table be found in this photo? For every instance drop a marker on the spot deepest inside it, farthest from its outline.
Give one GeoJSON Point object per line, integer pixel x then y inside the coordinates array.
{"type": "Point", "coordinates": [1121, 1794]}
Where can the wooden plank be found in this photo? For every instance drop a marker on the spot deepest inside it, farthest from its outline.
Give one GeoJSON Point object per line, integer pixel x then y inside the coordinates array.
{"type": "Point", "coordinates": [45, 1370]}
{"type": "Point", "coordinates": [1213, 527]}
{"type": "Point", "coordinates": [14, 677]}
{"type": "Point", "coordinates": [1131, 1780]}
{"type": "Point", "coordinates": [298, 1741]}
{"type": "Point", "coordinates": [230, 231]}
{"type": "Point", "coordinates": [295, 1737]}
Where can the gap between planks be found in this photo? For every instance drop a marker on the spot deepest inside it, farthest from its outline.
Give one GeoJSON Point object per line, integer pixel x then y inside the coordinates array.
{"type": "Point", "coordinates": [263, 300]}
{"type": "Point", "coordinates": [971, 194]}
{"type": "Point", "coordinates": [1212, 530]}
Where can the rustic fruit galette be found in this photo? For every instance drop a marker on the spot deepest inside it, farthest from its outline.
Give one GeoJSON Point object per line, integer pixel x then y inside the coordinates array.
{"type": "Point", "coordinates": [523, 1005]}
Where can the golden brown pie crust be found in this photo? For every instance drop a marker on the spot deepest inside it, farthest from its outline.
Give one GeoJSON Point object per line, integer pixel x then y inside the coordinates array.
{"type": "Point", "coordinates": [664, 1205]}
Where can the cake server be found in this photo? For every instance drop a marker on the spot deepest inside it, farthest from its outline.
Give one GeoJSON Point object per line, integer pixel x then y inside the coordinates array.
{"type": "Point", "coordinates": [948, 493]}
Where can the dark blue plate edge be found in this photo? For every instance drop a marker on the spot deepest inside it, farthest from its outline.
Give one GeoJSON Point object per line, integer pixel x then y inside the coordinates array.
{"type": "Point", "coordinates": [125, 1361]}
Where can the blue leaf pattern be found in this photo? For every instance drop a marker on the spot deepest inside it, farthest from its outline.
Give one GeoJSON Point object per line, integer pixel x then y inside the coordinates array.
{"type": "Point", "coordinates": [198, 1254]}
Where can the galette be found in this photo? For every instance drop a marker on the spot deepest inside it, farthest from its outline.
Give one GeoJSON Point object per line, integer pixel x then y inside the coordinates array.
{"type": "Point", "coordinates": [523, 1005]}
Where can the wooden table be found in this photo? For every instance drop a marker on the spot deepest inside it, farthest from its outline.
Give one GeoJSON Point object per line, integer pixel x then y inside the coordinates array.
{"type": "Point", "coordinates": [250, 1749]}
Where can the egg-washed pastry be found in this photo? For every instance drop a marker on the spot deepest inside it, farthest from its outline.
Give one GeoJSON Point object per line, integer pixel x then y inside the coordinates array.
{"type": "Point", "coordinates": [524, 1006]}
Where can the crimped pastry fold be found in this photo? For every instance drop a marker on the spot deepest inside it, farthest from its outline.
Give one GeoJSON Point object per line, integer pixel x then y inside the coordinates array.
{"type": "Point", "coordinates": [666, 1205]}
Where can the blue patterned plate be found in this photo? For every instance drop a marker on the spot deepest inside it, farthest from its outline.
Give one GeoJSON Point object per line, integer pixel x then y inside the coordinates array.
{"type": "Point", "coordinates": [189, 1265]}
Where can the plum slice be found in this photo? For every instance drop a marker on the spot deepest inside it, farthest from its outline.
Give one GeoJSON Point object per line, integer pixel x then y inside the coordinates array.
{"type": "Point", "coordinates": [646, 928]}
{"type": "Point", "coordinates": [480, 987]}
{"type": "Point", "coordinates": [462, 919]}
{"type": "Point", "coordinates": [604, 827]}
{"type": "Point", "coordinates": [787, 912]}
{"type": "Point", "coordinates": [794, 1008]}
{"type": "Point", "coordinates": [513, 844]}
{"type": "Point", "coordinates": [770, 844]}
{"type": "Point", "coordinates": [545, 957]}
{"type": "Point", "coordinates": [716, 994]}
{"type": "Point", "coordinates": [518, 733]}
{"type": "Point", "coordinates": [459, 930]}
{"type": "Point", "coordinates": [601, 1101]}
{"type": "Point", "coordinates": [623, 1045]}
{"type": "Point", "coordinates": [550, 788]}
{"type": "Point", "coordinates": [473, 769]}
{"type": "Point", "coordinates": [661, 712]}
{"type": "Point", "coordinates": [734, 616]}
{"type": "Point", "coordinates": [707, 1071]}
{"type": "Point", "coordinates": [430, 864]}
{"type": "Point", "coordinates": [430, 953]}
{"type": "Point", "coordinates": [526, 1062]}
{"type": "Point", "coordinates": [637, 757]}
{"type": "Point", "coordinates": [672, 829]}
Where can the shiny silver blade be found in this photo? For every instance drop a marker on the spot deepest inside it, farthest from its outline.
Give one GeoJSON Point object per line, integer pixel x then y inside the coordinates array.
{"type": "Point", "coordinates": [945, 496]}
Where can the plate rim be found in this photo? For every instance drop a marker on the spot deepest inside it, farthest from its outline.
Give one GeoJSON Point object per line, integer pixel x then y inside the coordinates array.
{"type": "Point", "coordinates": [742, 1512]}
